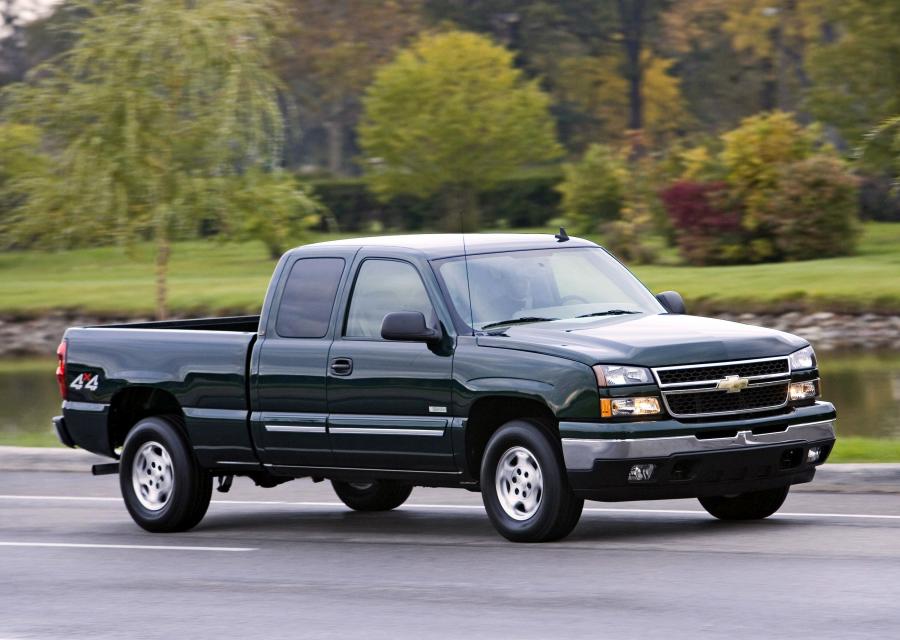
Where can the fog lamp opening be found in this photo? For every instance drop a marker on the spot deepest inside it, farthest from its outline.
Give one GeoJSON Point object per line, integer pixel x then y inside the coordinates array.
{"type": "Point", "coordinates": [814, 454]}
{"type": "Point", "coordinates": [641, 472]}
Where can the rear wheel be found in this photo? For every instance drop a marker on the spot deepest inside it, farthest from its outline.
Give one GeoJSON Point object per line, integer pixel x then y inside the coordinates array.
{"type": "Point", "coordinates": [164, 488]}
{"type": "Point", "coordinates": [375, 495]}
{"type": "Point", "coordinates": [524, 485]}
{"type": "Point", "coordinates": [754, 505]}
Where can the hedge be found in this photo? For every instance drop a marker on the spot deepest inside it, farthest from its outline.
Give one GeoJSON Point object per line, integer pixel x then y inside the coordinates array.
{"type": "Point", "coordinates": [523, 201]}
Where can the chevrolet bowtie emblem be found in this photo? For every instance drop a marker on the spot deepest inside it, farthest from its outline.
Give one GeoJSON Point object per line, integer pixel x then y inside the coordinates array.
{"type": "Point", "coordinates": [732, 384]}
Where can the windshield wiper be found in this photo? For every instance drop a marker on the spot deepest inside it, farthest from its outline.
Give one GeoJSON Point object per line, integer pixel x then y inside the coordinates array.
{"type": "Point", "coordinates": [522, 320]}
{"type": "Point", "coordinates": [611, 312]}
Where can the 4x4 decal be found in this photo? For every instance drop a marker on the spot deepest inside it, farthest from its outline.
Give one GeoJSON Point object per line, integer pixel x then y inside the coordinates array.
{"type": "Point", "coordinates": [89, 381]}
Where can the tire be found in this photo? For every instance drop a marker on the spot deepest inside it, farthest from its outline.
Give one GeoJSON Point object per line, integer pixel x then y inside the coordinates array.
{"type": "Point", "coordinates": [377, 495]}
{"type": "Point", "coordinates": [519, 452]}
{"type": "Point", "coordinates": [176, 493]}
{"type": "Point", "coordinates": [755, 505]}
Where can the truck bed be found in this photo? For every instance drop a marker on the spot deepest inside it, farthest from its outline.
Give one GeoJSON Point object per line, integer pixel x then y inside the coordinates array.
{"type": "Point", "coordinates": [202, 365]}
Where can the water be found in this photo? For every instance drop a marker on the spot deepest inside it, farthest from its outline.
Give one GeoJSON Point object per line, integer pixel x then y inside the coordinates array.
{"type": "Point", "coordinates": [865, 387]}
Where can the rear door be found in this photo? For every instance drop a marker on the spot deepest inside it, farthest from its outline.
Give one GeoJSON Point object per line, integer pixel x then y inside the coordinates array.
{"type": "Point", "coordinates": [389, 402]}
{"type": "Point", "coordinates": [289, 420]}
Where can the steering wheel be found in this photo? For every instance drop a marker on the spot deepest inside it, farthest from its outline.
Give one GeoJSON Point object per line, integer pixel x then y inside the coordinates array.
{"type": "Point", "coordinates": [573, 298]}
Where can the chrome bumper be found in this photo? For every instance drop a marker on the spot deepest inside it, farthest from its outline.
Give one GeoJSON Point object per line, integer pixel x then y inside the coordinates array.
{"type": "Point", "coordinates": [581, 454]}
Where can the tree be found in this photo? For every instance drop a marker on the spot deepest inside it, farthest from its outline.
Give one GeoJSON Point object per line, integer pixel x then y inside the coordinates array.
{"type": "Point", "coordinates": [855, 68]}
{"type": "Point", "coordinates": [156, 105]}
{"type": "Point", "coordinates": [594, 188]}
{"type": "Point", "coordinates": [451, 116]}
{"type": "Point", "coordinates": [335, 47]}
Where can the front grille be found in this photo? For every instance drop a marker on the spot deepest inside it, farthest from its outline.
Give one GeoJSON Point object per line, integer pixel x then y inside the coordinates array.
{"type": "Point", "coordinates": [771, 396]}
{"type": "Point", "coordinates": [714, 372]}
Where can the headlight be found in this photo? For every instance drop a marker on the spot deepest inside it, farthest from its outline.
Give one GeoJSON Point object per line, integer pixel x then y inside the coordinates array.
{"type": "Point", "coordinates": [613, 375]}
{"type": "Point", "coordinates": [806, 390]}
{"type": "Point", "coordinates": [622, 407]}
{"type": "Point", "coordinates": [803, 359]}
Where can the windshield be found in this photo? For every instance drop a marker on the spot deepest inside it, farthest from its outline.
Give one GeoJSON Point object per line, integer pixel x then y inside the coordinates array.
{"type": "Point", "coordinates": [516, 287]}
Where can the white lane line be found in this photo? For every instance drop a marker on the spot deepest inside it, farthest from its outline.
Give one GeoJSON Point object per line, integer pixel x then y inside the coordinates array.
{"type": "Point", "coordinates": [154, 547]}
{"type": "Point", "coordinates": [461, 507]}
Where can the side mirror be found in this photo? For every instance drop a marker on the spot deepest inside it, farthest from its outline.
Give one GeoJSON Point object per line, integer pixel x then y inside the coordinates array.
{"type": "Point", "coordinates": [672, 301]}
{"type": "Point", "coordinates": [408, 326]}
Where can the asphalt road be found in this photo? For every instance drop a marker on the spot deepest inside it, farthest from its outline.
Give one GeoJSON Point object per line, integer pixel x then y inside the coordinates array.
{"type": "Point", "coordinates": [292, 562]}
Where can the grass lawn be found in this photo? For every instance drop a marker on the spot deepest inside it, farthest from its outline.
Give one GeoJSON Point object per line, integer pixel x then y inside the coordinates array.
{"type": "Point", "coordinates": [211, 277]}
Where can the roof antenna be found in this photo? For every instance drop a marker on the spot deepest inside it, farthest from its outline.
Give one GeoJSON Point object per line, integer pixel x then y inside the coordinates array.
{"type": "Point", "coordinates": [562, 236]}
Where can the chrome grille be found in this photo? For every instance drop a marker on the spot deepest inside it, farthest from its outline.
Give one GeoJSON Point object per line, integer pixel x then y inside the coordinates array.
{"type": "Point", "coordinates": [690, 391]}
{"type": "Point", "coordinates": [774, 367]}
{"type": "Point", "coordinates": [716, 402]}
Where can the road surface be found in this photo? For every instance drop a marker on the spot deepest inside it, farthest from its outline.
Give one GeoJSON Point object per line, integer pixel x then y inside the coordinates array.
{"type": "Point", "coordinates": [292, 562]}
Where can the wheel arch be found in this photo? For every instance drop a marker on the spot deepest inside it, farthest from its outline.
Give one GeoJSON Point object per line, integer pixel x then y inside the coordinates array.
{"type": "Point", "coordinates": [135, 403]}
{"type": "Point", "coordinates": [489, 413]}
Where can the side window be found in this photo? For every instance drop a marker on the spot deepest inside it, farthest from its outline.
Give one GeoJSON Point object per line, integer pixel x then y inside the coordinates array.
{"type": "Point", "coordinates": [308, 297]}
{"type": "Point", "coordinates": [382, 287]}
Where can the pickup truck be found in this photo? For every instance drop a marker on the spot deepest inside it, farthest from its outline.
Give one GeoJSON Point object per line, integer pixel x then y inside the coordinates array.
{"type": "Point", "coordinates": [535, 369]}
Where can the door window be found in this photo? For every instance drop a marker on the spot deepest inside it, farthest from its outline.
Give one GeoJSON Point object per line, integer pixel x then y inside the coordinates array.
{"type": "Point", "coordinates": [383, 287]}
{"type": "Point", "coordinates": [308, 298]}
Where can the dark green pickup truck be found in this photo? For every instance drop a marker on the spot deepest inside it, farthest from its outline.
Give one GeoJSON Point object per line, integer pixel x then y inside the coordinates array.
{"type": "Point", "coordinates": [535, 369]}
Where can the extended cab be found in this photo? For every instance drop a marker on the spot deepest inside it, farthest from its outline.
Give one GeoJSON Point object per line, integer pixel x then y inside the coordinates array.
{"type": "Point", "coordinates": [535, 369]}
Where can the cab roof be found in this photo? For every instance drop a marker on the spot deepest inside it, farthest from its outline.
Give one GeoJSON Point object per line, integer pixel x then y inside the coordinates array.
{"type": "Point", "coordinates": [445, 245]}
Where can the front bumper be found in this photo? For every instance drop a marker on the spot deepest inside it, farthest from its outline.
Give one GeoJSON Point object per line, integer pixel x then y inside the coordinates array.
{"type": "Point", "coordinates": [689, 466]}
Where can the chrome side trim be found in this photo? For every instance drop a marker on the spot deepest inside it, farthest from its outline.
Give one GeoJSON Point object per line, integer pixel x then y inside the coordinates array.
{"type": "Point", "coordinates": [95, 407]}
{"type": "Point", "coordinates": [580, 454]}
{"type": "Point", "coordinates": [363, 420]}
{"type": "Point", "coordinates": [385, 431]}
{"type": "Point", "coordinates": [286, 417]}
{"type": "Point", "coordinates": [215, 414]}
{"type": "Point", "coordinates": [290, 428]}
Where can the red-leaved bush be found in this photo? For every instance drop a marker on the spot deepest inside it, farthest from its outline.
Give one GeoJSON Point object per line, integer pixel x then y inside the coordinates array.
{"type": "Point", "coordinates": [707, 228]}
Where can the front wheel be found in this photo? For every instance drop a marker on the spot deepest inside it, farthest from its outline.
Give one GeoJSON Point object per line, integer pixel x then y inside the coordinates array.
{"type": "Point", "coordinates": [754, 505]}
{"type": "Point", "coordinates": [524, 485]}
{"type": "Point", "coordinates": [164, 488]}
{"type": "Point", "coordinates": [375, 495]}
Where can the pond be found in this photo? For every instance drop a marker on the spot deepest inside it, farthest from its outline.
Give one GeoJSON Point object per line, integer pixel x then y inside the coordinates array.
{"type": "Point", "coordinates": [865, 387]}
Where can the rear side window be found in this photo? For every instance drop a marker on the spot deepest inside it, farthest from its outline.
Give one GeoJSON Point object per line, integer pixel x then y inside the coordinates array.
{"type": "Point", "coordinates": [308, 298]}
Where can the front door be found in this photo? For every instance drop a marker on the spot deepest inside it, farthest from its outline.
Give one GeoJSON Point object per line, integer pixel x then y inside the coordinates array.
{"type": "Point", "coordinates": [389, 402]}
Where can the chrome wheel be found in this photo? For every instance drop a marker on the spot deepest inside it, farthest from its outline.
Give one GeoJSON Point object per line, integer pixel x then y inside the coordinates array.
{"type": "Point", "coordinates": [152, 476]}
{"type": "Point", "coordinates": [519, 483]}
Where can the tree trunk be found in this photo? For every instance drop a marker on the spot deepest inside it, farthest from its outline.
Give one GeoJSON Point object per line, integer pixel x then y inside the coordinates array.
{"type": "Point", "coordinates": [631, 15]}
{"type": "Point", "coordinates": [335, 133]}
{"type": "Point", "coordinates": [461, 213]}
{"type": "Point", "coordinates": [163, 250]}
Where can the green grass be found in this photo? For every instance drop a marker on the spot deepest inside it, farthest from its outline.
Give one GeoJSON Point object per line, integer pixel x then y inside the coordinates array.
{"type": "Point", "coordinates": [858, 449]}
{"type": "Point", "coordinates": [214, 277]}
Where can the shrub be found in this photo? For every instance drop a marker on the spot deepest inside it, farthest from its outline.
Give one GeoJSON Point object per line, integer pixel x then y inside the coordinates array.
{"type": "Point", "coordinates": [817, 209]}
{"type": "Point", "coordinates": [527, 200]}
{"type": "Point", "coordinates": [593, 191]}
{"type": "Point", "coordinates": [753, 155]}
{"type": "Point", "coordinates": [708, 230]}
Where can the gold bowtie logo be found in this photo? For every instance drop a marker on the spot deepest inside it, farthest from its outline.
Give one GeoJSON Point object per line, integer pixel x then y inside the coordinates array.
{"type": "Point", "coordinates": [732, 384]}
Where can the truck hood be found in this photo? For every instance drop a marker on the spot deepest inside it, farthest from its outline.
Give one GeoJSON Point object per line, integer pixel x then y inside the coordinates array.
{"type": "Point", "coordinates": [646, 340]}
